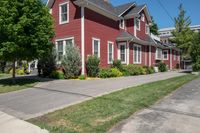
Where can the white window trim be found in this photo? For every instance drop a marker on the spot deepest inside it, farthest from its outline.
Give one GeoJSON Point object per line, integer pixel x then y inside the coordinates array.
{"type": "Point", "coordinates": [157, 54]}
{"type": "Point", "coordinates": [96, 39]}
{"type": "Point", "coordinates": [119, 55]}
{"type": "Point", "coordinates": [60, 16]}
{"type": "Point", "coordinates": [138, 28]}
{"type": "Point", "coordinates": [123, 24]}
{"type": "Point", "coordinates": [64, 44]}
{"type": "Point", "coordinates": [167, 55]}
{"type": "Point", "coordinates": [109, 42]}
{"type": "Point", "coordinates": [137, 62]}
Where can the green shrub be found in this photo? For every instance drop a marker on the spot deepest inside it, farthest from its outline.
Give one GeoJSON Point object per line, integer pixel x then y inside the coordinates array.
{"type": "Point", "coordinates": [20, 72]}
{"type": "Point", "coordinates": [117, 64]}
{"type": "Point", "coordinates": [58, 74]}
{"type": "Point", "coordinates": [131, 70]}
{"type": "Point", "coordinates": [110, 72]}
{"type": "Point", "coordinates": [149, 70]}
{"type": "Point", "coordinates": [71, 62]}
{"type": "Point", "coordinates": [93, 66]}
{"type": "Point", "coordinates": [47, 64]}
{"type": "Point", "coordinates": [82, 77]}
{"type": "Point", "coordinates": [162, 67]}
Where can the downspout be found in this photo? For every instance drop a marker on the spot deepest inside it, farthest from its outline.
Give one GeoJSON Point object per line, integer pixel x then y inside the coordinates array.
{"type": "Point", "coordinates": [83, 40]}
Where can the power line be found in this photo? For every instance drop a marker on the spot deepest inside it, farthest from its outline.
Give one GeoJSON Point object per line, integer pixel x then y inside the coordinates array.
{"type": "Point", "coordinates": [160, 3]}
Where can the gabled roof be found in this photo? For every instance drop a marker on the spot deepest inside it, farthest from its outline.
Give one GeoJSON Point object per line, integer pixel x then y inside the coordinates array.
{"type": "Point", "coordinates": [107, 8]}
{"type": "Point", "coordinates": [123, 8]}
{"type": "Point", "coordinates": [137, 10]}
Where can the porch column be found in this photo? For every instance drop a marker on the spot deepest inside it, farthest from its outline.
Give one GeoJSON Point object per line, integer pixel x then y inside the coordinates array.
{"type": "Point", "coordinates": [83, 40]}
{"type": "Point", "coordinates": [149, 55]}
{"type": "Point", "coordinates": [170, 59]}
{"type": "Point", "coordinates": [145, 52]}
{"type": "Point", "coordinates": [128, 53]}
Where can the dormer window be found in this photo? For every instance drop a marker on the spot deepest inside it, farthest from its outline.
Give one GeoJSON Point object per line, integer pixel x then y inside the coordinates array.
{"type": "Point", "coordinates": [122, 24]}
{"type": "Point", "coordinates": [142, 17]}
{"type": "Point", "coordinates": [138, 24]}
{"type": "Point", "coordinates": [64, 13]}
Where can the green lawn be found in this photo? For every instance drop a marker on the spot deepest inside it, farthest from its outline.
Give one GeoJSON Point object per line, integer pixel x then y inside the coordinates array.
{"type": "Point", "coordinates": [100, 114]}
{"type": "Point", "coordinates": [6, 85]}
{"type": "Point", "coordinates": [2, 75]}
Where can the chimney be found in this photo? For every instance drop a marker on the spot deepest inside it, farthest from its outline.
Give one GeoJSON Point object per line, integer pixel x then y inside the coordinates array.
{"type": "Point", "coordinates": [107, 1]}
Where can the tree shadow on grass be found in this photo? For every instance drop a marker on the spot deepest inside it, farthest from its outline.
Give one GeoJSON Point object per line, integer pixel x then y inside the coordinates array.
{"type": "Point", "coordinates": [23, 80]}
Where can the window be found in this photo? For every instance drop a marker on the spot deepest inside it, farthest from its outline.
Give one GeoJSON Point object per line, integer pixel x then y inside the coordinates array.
{"type": "Point", "coordinates": [174, 55]}
{"type": "Point", "coordinates": [165, 54]}
{"type": "Point", "coordinates": [142, 17]}
{"type": "Point", "coordinates": [96, 47]}
{"type": "Point", "coordinates": [61, 45]}
{"type": "Point", "coordinates": [64, 13]}
{"type": "Point", "coordinates": [147, 30]}
{"type": "Point", "coordinates": [158, 54]}
{"type": "Point", "coordinates": [122, 52]}
{"type": "Point", "coordinates": [110, 52]}
{"type": "Point", "coordinates": [122, 24]}
{"type": "Point", "coordinates": [137, 54]}
{"type": "Point", "coordinates": [138, 24]}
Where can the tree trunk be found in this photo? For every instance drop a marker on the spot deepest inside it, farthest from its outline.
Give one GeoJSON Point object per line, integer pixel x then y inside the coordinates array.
{"type": "Point", "coordinates": [13, 74]}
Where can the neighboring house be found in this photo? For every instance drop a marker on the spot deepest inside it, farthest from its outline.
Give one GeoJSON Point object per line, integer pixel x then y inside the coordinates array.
{"type": "Point", "coordinates": [109, 32]}
{"type": "Point", "coordinates": [166, 35]}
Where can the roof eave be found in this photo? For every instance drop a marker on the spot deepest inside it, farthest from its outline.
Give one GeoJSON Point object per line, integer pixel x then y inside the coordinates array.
{"type": "Point", "coordinates": [126, 10]}
{"type": "Point", "coordinates": [96, 8]}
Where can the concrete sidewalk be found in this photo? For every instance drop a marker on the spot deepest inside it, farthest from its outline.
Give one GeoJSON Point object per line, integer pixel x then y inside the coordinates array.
{"type": "Point", "coordinates": [53, 95]}
{"type": "Point", "coordinates": [10, 124]}
{"type": "Point", "coordinates": [177, 113]}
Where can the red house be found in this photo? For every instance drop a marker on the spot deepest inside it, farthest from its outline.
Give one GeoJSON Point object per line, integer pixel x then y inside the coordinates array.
{"type": "Point", "coordinates": [109, 32]}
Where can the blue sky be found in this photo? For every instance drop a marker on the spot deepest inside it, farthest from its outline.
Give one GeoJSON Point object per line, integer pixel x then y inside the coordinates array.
{"type": "Point", "coordinates": [192, 8]}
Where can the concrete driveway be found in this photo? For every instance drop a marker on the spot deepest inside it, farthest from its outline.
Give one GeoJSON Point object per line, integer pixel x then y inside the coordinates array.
{"type": "Point", "coordinates": [50, 96]}
{"type": "Point", "coordinates": [178, 113]}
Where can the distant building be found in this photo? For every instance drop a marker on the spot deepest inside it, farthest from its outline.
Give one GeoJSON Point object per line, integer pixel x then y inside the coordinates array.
{"type": "Point", "coordinates": [166, 33]}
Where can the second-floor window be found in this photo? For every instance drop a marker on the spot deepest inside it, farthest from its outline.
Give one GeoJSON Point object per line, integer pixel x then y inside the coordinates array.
{"type": "Point", "coordinates": [122, 24]}
{"type": "Point", "coordinates": [142, 17]}
{"type": "Point", "coordinates": [137, 54]}
{"type": "Point", "coordinates": [138, 24]}
{"type": "Point", "coordinates": [147, 29]}
{"type": "Point", "coordinates": [64, 13]}
{"type": "Point", "coordinates": [96, 47]}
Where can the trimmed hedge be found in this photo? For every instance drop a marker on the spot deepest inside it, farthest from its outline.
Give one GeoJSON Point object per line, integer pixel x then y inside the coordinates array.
{"type": "Point", "coordinates": [131, 70]}
{"type": "Point", "coordinates": [149, 70]}
{"type": "Point", "coordinates": [109, 73]}
{"type": "Point", "coordinates": [58, 74]}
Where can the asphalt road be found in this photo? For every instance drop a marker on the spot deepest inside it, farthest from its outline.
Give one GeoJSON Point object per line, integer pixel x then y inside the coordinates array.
{"type": "Point", "coordinates": [53, 95]}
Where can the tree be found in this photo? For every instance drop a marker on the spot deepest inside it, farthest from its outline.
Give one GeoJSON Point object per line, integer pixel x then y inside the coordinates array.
{"type": "Point", "coordinates": [26, 28]}
{"type": "Point", "coordinates": [195, 52]}
{"type": "Point", "coordinates": [154, 27]}
{"type": "Point", "coordinates": [71, 62]}
{"type": "Point", "coordinates": [183, 36]}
